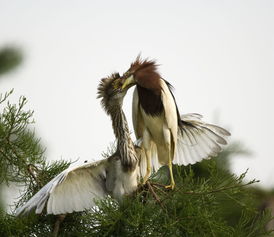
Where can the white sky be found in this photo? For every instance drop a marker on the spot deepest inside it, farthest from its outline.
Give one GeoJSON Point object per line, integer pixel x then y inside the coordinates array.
{"type": "Point", "coordinates": [219, 56]}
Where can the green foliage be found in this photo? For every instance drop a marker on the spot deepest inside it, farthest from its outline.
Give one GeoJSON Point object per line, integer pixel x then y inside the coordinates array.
{"type": "Point", "coordinates": [197, 207]}
{"type": "Point", "coordinates": [41, 176]}
{"type": "Point", "coordinates": [207, 201]}
{"type": "Point", "coordinates": [9, 59]}
{"type": "Point", "coordinates": [19, 148]}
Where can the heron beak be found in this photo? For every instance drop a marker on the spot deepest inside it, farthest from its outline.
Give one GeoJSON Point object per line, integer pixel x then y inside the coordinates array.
{"type": "Point", "coordinates": [128, 82]}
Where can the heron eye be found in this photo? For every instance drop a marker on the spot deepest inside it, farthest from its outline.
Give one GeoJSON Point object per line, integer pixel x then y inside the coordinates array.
{"type": "Point", "coordinates": [117, 84]}
{"type": "Point", "coordinates": [128, 74]}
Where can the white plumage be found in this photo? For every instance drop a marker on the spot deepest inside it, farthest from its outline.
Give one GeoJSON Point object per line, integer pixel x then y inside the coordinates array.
{"type": "Point", "coordinates": [74, 189]}
{"type": "Point", "coordinates": [77, 188]}
{"type": "Point", "coordinates": [198, 140]}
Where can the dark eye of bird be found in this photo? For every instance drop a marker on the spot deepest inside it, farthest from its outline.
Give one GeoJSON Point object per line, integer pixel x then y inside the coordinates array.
{"type": "Point", "coordinates": [117, 84]}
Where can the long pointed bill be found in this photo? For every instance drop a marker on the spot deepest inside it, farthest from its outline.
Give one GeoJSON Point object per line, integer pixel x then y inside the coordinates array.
{"type": "Point", "coordinates": [128, 82]}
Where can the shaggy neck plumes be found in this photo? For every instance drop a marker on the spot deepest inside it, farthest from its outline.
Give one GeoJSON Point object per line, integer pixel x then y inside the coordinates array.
{"type": "Point", "coordinates": [125, 146]}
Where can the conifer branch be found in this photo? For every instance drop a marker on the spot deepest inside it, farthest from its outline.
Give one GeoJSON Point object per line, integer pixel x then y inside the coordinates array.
{"type": "Point", "coordinates": [186, 213]}
{"type": "Point", "coordinates": [221, 189]}
{"type": "Point", "coordinates": [33, 175]}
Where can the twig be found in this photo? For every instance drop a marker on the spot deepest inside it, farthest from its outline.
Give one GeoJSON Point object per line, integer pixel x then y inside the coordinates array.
{"type": "Point", "coordinates": [161, 190]}
{"type": "Point", "coordinates": [157, 184]}
{"type": "Point", "coordinates": [154, 194]}
{"type": "Point", "coordinates": [15, 152]}
{"type": "Point", "coordinates": [33, 175]}
{"type": "Point", "coordinates": [219, 189]}
{"type": "Point", "coordinates": [212, 191]}
{"type": "Point", "coordinates": [22, 102]}
{"type": "Point", "coordinates": [4, 154]}
{"type": "Point", "coordinates": [6, 95]}
{"type": "Point", "coordinates": [28, 166]}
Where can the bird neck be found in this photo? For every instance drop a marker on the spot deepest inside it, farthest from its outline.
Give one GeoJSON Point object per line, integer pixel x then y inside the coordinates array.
{"type": "Point", "coordinates": [125, 146]}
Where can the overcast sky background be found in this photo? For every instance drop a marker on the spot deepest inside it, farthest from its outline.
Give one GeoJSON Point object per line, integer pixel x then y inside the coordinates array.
{"type": "Point", "coordinates": [219, 56]}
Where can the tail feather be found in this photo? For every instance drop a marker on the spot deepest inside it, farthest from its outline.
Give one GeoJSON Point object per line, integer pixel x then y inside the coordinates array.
{"type": "Point", "coordinates": [198, 140]}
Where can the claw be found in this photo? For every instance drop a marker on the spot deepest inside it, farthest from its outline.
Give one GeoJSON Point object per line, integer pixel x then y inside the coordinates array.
{"type": "Point", "coordinates": [145, 179]}
{"type": "Point", "coordinates": [171, 186]}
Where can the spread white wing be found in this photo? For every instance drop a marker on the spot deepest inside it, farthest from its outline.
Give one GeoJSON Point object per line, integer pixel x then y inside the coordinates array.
{"type": "Point", "coordinates": [198, 140]}
{"type": "Point", "coordinates": [74, 189]}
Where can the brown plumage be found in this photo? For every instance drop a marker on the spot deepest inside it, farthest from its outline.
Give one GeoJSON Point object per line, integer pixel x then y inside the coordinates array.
{"type": "Point", "coordinates": [148, 85]}
{"type": "Point", "coordinates": [146, 75]}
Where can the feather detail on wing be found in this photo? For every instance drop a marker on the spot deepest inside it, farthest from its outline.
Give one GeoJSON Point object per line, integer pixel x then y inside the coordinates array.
{"type": "Point", "coordinates": [74, 189]}
{"type": "Point", "coordinates": [198, 140]}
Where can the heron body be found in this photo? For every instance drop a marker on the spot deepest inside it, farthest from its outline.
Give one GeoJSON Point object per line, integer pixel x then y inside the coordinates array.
{"type": "Point", "coordinates": [158, 126]}
{"type": "Point", "coordinates": [78, 188]}
{"type": "Point", "coordinates": [158, 129]}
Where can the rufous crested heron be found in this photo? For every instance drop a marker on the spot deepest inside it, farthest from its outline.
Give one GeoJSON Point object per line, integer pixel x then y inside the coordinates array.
{"type": "Point", "coordinates": [158, 126]}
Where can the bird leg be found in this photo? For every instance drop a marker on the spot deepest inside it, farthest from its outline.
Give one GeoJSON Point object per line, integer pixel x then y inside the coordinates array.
{"type": "Point", "coordinates": [57, 224]}
{"type": "Point", "coordinates": [172, 182]}
{"type": "Point", "coordinates": [148, 171]}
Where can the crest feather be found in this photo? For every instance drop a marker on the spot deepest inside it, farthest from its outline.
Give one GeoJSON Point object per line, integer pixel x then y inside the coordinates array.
{"type": "Point", "coordinates": [104, 88]}
{"type": "Point", "coordinates": [140, 64]}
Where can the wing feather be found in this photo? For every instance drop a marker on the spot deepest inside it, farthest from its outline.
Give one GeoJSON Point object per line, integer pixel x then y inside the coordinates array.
{"type": "Point", "coordinates": [198, 140]}
{"type": "Point", "coordinates": [137, 118]}
{"type": "Point", "coordinates": [75, 189]}
{"type": "Point", "coordinates": [170, 110]}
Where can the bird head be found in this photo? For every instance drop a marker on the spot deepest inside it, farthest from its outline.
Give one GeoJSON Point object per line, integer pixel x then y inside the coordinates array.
{"type": "Point", "coordinates": [142, 73]}
{"type": "Point", "coordinates": [111, 92]}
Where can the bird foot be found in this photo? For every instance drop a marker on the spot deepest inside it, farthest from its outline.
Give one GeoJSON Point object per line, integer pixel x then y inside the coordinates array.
{"type": "Point", "coordinates": [145, 179]}
{"type": "Point", "coordinates": [171, 186]}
